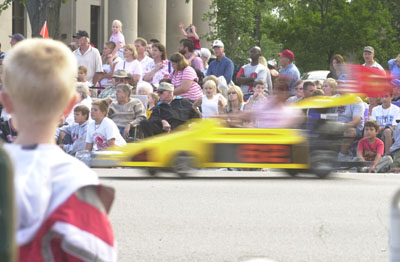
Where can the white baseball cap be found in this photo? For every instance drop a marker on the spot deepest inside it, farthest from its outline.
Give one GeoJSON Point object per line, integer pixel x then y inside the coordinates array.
{"type": "Point", "coordinates": [218, 43]}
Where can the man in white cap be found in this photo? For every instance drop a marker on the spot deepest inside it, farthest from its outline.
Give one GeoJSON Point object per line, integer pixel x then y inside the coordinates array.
{"type": "Point", "coordinates": [222, 66]}
{"type": "Point", "coordinates": [171, 112]}
{"type": "Point", "coordinates": [368, 55]}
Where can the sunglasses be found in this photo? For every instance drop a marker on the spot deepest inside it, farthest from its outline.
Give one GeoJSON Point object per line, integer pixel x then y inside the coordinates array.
{"type": "Point", "coordinates": [160, 92]}
{"type": "Point", "coordinates": [231, 93]}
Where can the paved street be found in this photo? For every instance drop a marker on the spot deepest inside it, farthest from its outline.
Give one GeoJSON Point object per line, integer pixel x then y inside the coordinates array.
{"type": "Point", "coordinates": [234, 216]}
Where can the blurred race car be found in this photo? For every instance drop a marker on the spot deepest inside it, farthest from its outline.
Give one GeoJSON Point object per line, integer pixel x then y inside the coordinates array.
{"type": "Point", "coordinates": [210, 144]}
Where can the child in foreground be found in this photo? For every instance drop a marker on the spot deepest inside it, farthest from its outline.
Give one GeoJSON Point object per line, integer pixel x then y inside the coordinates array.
{"type": "Point", "coordinates": [371, 149]}
{"type": "Point", "coordinates": [56, 194]}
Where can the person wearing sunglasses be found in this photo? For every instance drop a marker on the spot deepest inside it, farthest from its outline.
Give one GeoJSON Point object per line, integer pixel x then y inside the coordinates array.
{"type": "Point", "coordinates": [298, 90]}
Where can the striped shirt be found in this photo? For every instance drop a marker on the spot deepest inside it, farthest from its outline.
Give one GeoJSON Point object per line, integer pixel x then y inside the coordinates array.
{"type": "Point", "coordinates": [188, 73]}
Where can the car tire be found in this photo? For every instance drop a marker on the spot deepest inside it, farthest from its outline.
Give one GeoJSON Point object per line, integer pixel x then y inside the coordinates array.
{"type": "Point", "coordinates": [323, 162]}
{"type": "Point", "coordinates": [152, 171]}
{"type": "Point", "coordinates": [292, 172]}
{"type": "Point", "coordinates": [184, 164]}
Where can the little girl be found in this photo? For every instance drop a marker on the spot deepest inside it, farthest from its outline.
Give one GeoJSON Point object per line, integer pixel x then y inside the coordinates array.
{"type": "Point", "coordinates": [190, 33]}
{"type": "Point", "coordinates": [102, 132]}
{"type": "Point", "coordinates": [211, 102]}
{"type": "Point", "coordinates": [118, 38]}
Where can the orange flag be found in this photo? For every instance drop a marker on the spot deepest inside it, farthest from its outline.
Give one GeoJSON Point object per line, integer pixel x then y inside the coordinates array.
{"type": "Point", "coordinates": [44, 32]}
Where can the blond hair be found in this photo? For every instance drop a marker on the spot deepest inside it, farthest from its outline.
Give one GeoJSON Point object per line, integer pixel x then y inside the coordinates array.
{"type": "Point", "coordinates": [239, 93]}
{"type": "Point", "coordinates": [210, 83]}
{"type": "Point", "coordinates": [118, 23]}
{"type": "Point", "coordinates": [39, 77]}
{"type": "Point", "coordinates": [132, 48]}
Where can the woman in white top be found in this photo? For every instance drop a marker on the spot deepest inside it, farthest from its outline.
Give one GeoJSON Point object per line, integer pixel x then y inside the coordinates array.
{"type": "Point", "coordinates": [102, 132]}
{"type": "Point", "coordinates": [211, 103]}
{"type": "Point", "coordinates": [109, 61]}
{"type": "Point", "coordinates": [158, 68]}
{"type": "Point", "coordinates": [131, 65]}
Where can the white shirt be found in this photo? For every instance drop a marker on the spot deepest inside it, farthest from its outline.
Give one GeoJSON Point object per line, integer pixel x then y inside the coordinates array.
{"type": "Point", "coordinates": [91, 59]}
{"type": "Point", "coordinates": [145, 62]}
{"type": "Point", "coordinates": [44, 177]}
{"type": "Point", "coordinates": [375, 65]}
{"type": "Point", "coordinates": [209, 107]}
{"type": "Point", "coordinates": [98, 135]}
{"type": "Point", "coordinates": [386, 117]}
{"type": "Point", "coordinates": [133, 67]}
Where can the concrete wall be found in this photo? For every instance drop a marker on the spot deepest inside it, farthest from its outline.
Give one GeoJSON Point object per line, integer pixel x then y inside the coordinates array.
{"type": "Point", "coordinates": [5, 29]}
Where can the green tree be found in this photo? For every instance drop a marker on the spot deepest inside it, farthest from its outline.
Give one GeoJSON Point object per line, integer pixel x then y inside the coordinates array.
{"type": "Point", "coordinates": [317, 29]}
{"type": "Point", "coordinates": [40, 11]}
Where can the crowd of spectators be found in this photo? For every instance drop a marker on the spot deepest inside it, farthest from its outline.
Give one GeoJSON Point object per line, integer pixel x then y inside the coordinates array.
{"type": "Point", "coordinates": [138, 89]}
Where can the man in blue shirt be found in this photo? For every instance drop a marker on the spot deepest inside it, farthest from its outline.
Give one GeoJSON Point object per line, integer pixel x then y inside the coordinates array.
{"type": "Point", "coordinates": [222, 66]}
{"type": "Point", "coordinates": [289, 70]}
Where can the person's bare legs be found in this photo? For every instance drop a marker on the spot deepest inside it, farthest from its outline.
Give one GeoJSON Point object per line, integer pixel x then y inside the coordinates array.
{"type": "Point", "coordinates": [348, 140]}
{"type": "Point", "coordinates": [387, 134]}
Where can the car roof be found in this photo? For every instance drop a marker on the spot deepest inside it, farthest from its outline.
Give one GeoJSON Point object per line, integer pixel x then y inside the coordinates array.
{"type": "Point", "coordinates": [315, 75]}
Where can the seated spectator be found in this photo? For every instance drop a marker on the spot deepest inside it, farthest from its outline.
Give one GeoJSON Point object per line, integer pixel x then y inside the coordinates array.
{"type": "Point", "coordinates": [169, 113]}
{"type": "Point", "coordinates": [318, 84]}
{"type": "Point", "coordinates": [298, 90]}
{"type": "Point", "coordinates": [205, 57]}
{"type": "Point", "coordinates": [370, 148]}
{"type": "Point", "coordinates": [318, 92]}
{"type": "Point", "coordinates": [308, 88]}
{"type": "Point", "coordinates": [184, 78]}
{"type": "Point", "coordinates": [386, 115]}
{"type": "Point", "coordinates": [72, 137]}
{"type": "Point", "coordinates": [119, 77]}
{"type": "Point", "coordinates": [211, 103]}
{"type": "Point", "coordinates": [126, 112]}
{"type": "Point", "coordinates": [144, 88]}
{"type": "Point", "coordinates": [82, 73]}
{"type": "Point", "coordinates": [372, 103]}
{"type": "Point", "coordinates": [352, 115]}
{"type": "Point", "coordinates": [159, 68]}
{"type": "Point", "coordinates": [83, 99]}
{"type": "Point", "coordinates": [109, 60]}
{"type": "Point", "coordinates": [8, 133]}
{"type": "Point", "coordinates": [258, 97]}
{"type": "Point", "coordinates": [330, 87]}
{"type": "Point", "coordinates": [234, 106]}
{"type": "Point", "coordinates": [102, 132]}
{"type": "Point", "coordinates": [151, 103]}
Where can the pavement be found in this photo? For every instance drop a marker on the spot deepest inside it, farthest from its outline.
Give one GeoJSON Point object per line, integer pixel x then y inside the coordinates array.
{"type": "Point", "coordinates": [238, 216]}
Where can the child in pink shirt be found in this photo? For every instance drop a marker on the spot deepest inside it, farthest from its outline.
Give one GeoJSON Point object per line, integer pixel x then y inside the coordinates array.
{"type": "Point", "coordinates": [118, 38]}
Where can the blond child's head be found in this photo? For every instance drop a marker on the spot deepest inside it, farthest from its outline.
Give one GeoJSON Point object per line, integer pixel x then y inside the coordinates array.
{"type": "Point", "coordinates": [116, 26]}
{"type": "Point", "coordinates": [82, 73]}
{"type": "Point", "coordinates": [39, 80]}
{"type": "Point", "coordinates": [210, 88]}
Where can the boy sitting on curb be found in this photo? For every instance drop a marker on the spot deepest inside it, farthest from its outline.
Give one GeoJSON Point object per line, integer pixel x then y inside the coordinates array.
{"type": "Point", "coordinates": [370, 148]}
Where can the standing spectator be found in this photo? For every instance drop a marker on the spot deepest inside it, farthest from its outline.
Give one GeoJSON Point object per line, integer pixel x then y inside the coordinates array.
{"type": "Point", "coordinates": [145, 60]}
{"type": "Point", "coordinates": [47, 181]}
{"type": "Point", "coordinates": [289, 70]}
{"type": "Point", "coordinates": [15, 39]}
{"type": "Point", "coordinates": [88, 57]}
{"type": "Point", "coordinates": [368, 55]}
{"type": "Point", "coordinates": [308, 88]}
{"type": "Point", "coordinates": [394, 67]}
{"type": "Point", "coordinates": [117, 38]}
{"type": "Point", "coordinates": [205, 57]}
{"type": "Point", "coordinates": [222, 66]}
{"type": "Point", "coordinates": [126, 112]}
{"type": "Point", "coordinates": [271, 64]}
{"type": "Point", "coordinates": [184, 78]}
{"type": "Point", "coordinates": [75, 131]}
{"type": "Point", "coordinates": [130, 64]}
{"type": "Point", "coordinates": [386, 116]}
{"type": "Point", "coordinates": [102, 132]}
{"type": "Point", "coordinates": [211, 103]}
{"type": "Point", "coordinates": [252, 72]}
{"type": "Point", "coordinates": [109, 61]}
{"type": "Point", "coordinates": [186, 48]}
{"type": "Point", "coordinates": [159, 67]}
{"type": "Point", "coordinates": [169, 113]}
{"type": "Point", "coordinates": [299, 94]}
{"type": "Point", "coordinates": [335, 71]}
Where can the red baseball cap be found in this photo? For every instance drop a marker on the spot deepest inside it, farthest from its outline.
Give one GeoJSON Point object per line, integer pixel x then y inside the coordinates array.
{"type": "Point", "coordinates": [288, 54]}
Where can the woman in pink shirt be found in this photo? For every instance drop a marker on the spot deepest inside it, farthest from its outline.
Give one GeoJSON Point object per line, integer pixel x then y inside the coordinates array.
{"type": "Point", "coordinates": [184, 78]}
{"type": "Point", "coordinates": [158, 68]}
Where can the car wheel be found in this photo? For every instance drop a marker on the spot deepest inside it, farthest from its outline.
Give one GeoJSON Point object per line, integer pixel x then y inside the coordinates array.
{"type": "Point", "coordinates": [152, 171]}
{"type": "Point", "coordinates": [323, 162]}
{"type": "Point", "coordinates": [183, 164]}
{"type": "Point", "coordinates": [293, 172]}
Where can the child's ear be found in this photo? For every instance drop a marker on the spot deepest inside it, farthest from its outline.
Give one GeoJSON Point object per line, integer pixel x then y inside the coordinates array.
{"type": "Point", "coordinates": [6, 102]}
{"type": "Point", "coordinates": [70, 105]}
